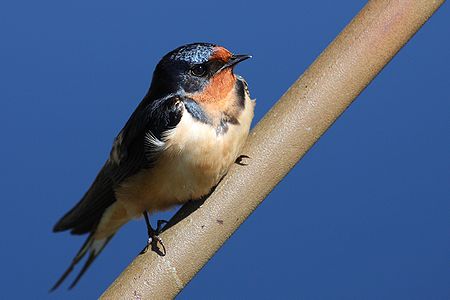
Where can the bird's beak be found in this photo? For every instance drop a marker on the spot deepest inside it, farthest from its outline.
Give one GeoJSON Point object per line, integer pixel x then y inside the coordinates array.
{"type": "Point", "coordinates": [235, 59]}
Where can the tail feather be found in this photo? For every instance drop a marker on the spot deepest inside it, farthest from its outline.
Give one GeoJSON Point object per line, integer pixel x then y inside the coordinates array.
{"type": "Point", "coordinates": [95, 247]}
{"type": "Point", "coordinates": [84, 217]}
{"type": "Point", "coordinates": [96, 250]}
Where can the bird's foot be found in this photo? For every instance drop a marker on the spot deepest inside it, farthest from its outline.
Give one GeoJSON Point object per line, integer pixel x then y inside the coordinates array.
{"type": "Point", "coordinates": [240, 159]}
{"type": "Point", "coordinates": [153, 242]}
{"type": "Point", "coordinates": [153, 236]}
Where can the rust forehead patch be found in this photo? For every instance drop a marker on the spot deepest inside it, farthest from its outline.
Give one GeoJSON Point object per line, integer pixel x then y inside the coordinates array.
{"type": "Point", "coordinates": [220, 53]}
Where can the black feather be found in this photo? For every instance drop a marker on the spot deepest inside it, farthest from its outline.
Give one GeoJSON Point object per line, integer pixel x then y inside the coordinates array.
{"type": "Point", "coordinates": [80, 254]}
{"type": "Point", "coordinates": [151, 116]}
{"type": "Point", "coordinates": [83, 218]}
{"type": "Point", "coordinates": [92, 256]}
{"type": "Point", "coordinates": [241, 90]}
{"type": "Point", "coordinates": [155, 117]}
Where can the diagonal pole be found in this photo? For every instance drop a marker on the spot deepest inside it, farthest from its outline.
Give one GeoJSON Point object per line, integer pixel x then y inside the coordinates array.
{"type": "Point", "coordinates": [280, 139]}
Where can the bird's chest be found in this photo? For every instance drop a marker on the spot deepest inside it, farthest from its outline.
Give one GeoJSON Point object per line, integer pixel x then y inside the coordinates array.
{"type": "Point", "coordinates": [197, 156]}
{"type": "Point", "coordinates": [194, 160]}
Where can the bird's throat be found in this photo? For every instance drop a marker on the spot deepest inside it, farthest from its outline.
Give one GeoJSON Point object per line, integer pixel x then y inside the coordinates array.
{"type": "Point", "coordinates": [220, 85]}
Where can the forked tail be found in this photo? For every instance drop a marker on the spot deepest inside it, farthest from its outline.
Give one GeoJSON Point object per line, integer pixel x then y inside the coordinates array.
{"type": "Point", "coordinates": [91, 245]}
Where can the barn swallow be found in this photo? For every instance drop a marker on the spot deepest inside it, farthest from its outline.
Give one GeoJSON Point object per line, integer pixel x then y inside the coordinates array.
{"type": "Point", "coordinates": [176, 146]}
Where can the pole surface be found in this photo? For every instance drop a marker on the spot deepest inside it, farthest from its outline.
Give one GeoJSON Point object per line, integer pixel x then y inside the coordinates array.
{"type": "Point", "coordinates": [276, 144]}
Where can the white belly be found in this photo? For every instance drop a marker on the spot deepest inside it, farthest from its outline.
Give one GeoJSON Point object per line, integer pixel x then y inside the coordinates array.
{"type": "Point", "coordinates": [194, 160]}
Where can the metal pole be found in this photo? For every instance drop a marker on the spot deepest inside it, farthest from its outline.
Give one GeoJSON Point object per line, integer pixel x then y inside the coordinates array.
{"type": "Point", "coordinates": [276, 144]}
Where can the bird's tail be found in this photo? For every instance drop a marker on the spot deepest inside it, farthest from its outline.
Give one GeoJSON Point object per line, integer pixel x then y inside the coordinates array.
{"type": "Point", "coordinates": [91, 245]}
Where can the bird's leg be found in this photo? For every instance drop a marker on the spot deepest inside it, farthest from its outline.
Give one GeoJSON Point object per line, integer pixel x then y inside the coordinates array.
{"type": "Point", "coordinates": [160, 225]}
{"type": "Point", "coordinates": [153, 237]}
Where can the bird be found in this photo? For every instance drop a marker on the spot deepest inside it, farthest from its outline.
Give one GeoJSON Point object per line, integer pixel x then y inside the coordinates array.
{"type": "Point", "coordinates": [184, 135]}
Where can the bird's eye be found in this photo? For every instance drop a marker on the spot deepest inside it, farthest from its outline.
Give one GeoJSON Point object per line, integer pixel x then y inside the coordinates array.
{"type": "Point", "coordinates": [198, 70]}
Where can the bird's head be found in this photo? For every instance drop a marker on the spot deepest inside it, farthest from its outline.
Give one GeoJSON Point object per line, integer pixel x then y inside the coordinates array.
{"type": "Point", "coordinates": [202, 70]}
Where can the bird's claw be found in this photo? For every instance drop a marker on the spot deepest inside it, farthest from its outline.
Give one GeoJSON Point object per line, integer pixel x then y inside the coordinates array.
{"type": "Point", "coordinates": [152, 243]}
{"type": "Point", "coordinates": [153, 236]}
{"type": "Point", "coordinates": [240, 159]}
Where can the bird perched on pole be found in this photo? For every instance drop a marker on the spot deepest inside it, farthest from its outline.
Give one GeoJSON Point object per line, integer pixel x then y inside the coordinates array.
{"type": "Point", "coordinates": [178, 143]}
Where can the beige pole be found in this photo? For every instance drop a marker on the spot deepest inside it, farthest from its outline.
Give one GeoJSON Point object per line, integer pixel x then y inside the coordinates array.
{"type": "Point", "coordinates": [276, 144]}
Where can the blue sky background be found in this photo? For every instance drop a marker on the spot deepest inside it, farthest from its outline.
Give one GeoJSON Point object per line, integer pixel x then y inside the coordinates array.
{"type": "Point", "coordinates": [365, 214]}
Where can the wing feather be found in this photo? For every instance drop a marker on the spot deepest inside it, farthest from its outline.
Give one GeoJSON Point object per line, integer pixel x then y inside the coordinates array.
{"type": "Point", "coordinates": [135, 147]}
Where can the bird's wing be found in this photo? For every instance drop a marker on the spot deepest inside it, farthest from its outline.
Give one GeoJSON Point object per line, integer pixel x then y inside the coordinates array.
{"type": "Point", "coordinates": [135, 148]}
{"type": "Point", "coordinates": [86, 214]}
{"type": "Point", "coordinates": [142, 134]}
